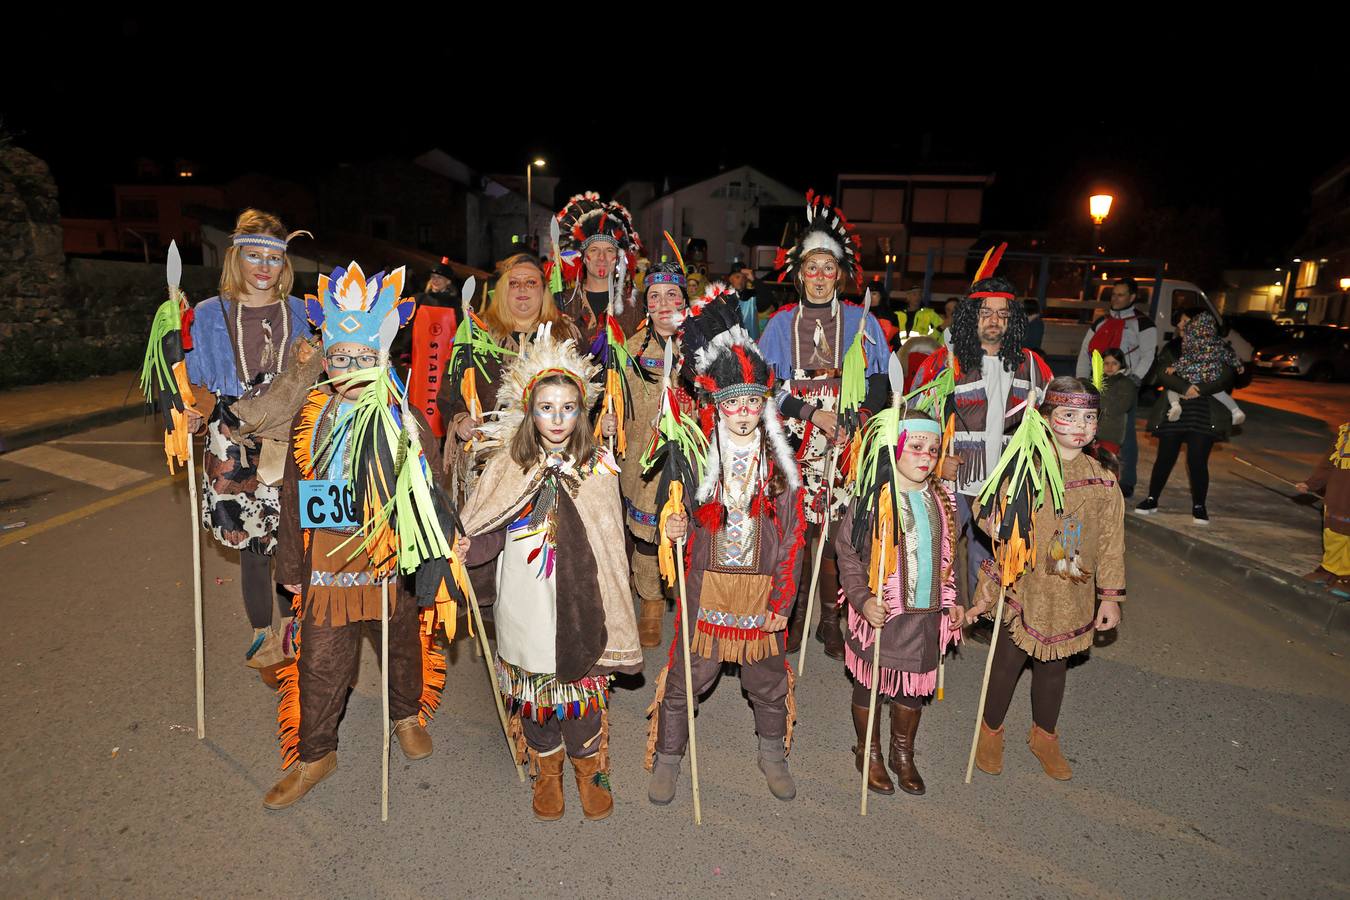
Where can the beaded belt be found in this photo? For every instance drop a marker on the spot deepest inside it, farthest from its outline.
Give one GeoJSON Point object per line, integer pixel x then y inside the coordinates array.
{"type": "Point", "coordinates": [637, 515]}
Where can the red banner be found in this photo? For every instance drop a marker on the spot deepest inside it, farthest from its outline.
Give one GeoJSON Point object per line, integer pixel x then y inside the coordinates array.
{"type": "Point", "coordinates": [433, 333]}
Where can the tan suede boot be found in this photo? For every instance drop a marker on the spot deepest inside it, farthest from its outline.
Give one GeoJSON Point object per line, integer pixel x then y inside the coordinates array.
{"type": "Point", "coordinates": [989, 750]}
{"type": "Point", "coordinates": [413, 739]}
{"type": "Point", "coordinates": [597, 801]}
{"type": "Point", "coordinates": [649, 622]}
{"type": "Point", "coordinates": [1045, 744]}
{"type": "Point", "coordinates": [548, 792]}
{"type": "Point", "coordinates": [297, 782]}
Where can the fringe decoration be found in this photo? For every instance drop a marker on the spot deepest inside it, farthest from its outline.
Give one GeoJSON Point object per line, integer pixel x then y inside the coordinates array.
{"type": "Point", "coordinates": [665, 551]}
{"type": "Point", "coordinates": [603, 753]}
{"type": "Point", "coordinates": [515, 733]}
{"type": "Point", "coordinates": [541, 696]}
{"type": "Point", "coordinates": [288, 696]}
{"type": "Point", "coordinates": [164, 371]}
{"type": "Point", "coordinates": [785, 579]}
{"type": "Point", "coordinates": [302, 447]}
{"type": "Point", "coordinates": [433, 675]}
{"type": "Point", "coordinates": [791, 705]}
{"type": "Point", "coordinates": [654, 715]}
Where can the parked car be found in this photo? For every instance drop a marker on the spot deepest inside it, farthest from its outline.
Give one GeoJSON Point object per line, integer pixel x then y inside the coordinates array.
{"type": "Point", "coordinates": [1259, 331]}
{"type": "Point", "coordinates": [1319, 352]}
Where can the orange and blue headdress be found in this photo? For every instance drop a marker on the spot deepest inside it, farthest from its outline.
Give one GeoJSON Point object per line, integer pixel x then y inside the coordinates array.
{"type": "Point", "coordinates": [353, 309]}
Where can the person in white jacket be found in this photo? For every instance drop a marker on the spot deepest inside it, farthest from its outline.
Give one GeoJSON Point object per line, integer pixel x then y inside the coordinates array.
{"type": "Point", "coordinates": [1134, 334]}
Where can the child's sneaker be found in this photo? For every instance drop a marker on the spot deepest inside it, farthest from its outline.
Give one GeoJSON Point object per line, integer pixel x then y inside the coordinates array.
{"type": "Point", "coordinates": [1238, 416]}
{"type": "Point", "coordinates": [1174, 412]}
{"type": "Point", "coordinates": [1147, 507]}
{"type": "Point", "coordinates": [1199, 515]}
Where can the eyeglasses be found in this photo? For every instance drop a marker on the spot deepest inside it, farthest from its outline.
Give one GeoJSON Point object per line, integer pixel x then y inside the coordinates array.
{"type": "Point", "coordinates": [741, 406]}
{"type": "Point", "coordinates": [529, 284]}
{"type": "Point", "coordinates": [344, 361]}
{"type": "Point", "coordinates": [271, 260]}
{"type": "Point", "coordinates": [1000, 314]}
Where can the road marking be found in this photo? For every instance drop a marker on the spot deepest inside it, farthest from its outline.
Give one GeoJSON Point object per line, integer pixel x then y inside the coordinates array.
{"type": "Point", "coordinates": [89, 509]}
{"type": "Point", "coordinates": [76, 467]}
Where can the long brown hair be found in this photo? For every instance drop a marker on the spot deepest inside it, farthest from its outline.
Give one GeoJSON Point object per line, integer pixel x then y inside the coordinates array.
{"type": "Point", "coordinates": [526, 445]}
{"type": "Point", "coordinates": [498, 318]}
{"type": "Point", "coordinates": [255, 221]}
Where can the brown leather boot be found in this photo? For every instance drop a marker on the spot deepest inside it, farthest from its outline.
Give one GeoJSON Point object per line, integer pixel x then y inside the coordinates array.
{"type": "Point", "coordinates": [796, 624]}
{"type": "Point", "coordinates": [830, 631]}
{"type": "Point", "coordinates": [649, 622]}
{"type": "Point", "coordinates": [597, 801]}
{"type": "Point", "coordinates": [548, 792]}
{"type": "Point", "coordinates": [413, 738]}
{"type": "Point", "coordinates": [1045, 744]}
{"type": "Point", "coordinates": [878, 780]}
{"type": "Point", "coordinates": [297, 782]}
{"type": "Point", "coordinates": [904, 725]}
{"type": "Point", "coordinates": [989, 750]}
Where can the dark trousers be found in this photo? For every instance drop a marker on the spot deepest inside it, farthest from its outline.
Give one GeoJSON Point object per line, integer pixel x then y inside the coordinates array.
{"type": "Point", "coordinates": [1047, 684]}
{"type": "Point", "coordinates": [1129, 448]}
{"type": "Point", "coordinates": [579, 735]}
{"type": "Point", "coordinates": [1198, 446]}
{"type": "Point", "coordinates": [329, 658]}
{"type": "Point", "coordinates": [260, 591]}
{"type": "Point", "coordinates": [765, 681]}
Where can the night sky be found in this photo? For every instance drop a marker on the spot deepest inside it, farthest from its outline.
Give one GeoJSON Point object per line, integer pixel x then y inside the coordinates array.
{"type": "Point", "coordinates": [1207, 143]}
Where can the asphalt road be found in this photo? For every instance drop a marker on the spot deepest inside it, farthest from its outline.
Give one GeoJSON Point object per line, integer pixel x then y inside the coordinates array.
{"type": "Point", "coordinates": [1209, 745]}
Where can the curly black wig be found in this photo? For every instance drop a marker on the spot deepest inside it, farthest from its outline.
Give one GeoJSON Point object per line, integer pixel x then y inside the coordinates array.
{"type": "Point", "coordinates": [966, 327]}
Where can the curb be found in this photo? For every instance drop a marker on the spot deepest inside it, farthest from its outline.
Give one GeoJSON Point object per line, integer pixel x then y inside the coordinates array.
{"type": "Point", "coordinates": [1265, 584]}
{"type": "Point", "coordinates": [37, 434]}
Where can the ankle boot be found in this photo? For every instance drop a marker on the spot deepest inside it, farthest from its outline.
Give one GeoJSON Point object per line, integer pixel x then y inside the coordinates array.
{"type": "Point", "coordinates": [597, 800]}
{"type": "Point", "coordinates": [1045, 744]}
{"type": "Point", "coordinates": [904, 726]}
{"type": "Point", "coordinates": [989, 750]}
{"type": "Point", "coordinates": [878, 781]}
{"type": "Point", "coordinates": [649, 622]}
{"type": "Point", "coordinates": [299, 780]}
{"type": "Point", "coordinates": [830, 631]}
{"type": "Point", "coordinates": [665, 776]}
{"type": "Point", "coordinates": [413, 739]}
{"type": "Point", "coordinates": [773, 763]}
{"type": "Point", "coordinates": [548, 792]}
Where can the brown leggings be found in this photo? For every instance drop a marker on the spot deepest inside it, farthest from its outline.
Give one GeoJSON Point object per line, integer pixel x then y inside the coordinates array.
{"type": "Point", "coordinates": [1047, 684]}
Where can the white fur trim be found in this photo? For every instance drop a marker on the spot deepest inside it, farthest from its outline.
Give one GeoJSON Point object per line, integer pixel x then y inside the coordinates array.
{"type": "Point", "coordinates": [772, 423]}
{"type": "Point", "coordinates": [820, 240]}
{"type": "Point", "coordinates": [712, 466]}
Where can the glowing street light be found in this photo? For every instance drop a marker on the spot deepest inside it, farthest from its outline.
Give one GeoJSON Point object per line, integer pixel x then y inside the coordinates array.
{"type": "Point", "coordinates": [1099, 207]}
{"type": "Point", "coordinates": [537, 163]}
{"type": "Point", "coordinates": [1345, 284]}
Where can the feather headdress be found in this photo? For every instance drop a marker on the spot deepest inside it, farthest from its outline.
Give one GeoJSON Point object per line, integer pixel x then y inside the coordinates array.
{"type": "Point", "coordinates": [587, 219]}
{"type": "Point", "coordinates": [538, 358]}
{"type": "Point", "coordinates": [826, 229]}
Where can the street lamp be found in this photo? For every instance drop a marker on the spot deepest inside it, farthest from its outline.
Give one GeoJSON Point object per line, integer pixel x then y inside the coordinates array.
{"type": "Point", "coordinates": [1345, 284]}
{"type": "Point", "coordinates": [1099, 207]}
{"type": "Point", "coordinates": [536, 163]}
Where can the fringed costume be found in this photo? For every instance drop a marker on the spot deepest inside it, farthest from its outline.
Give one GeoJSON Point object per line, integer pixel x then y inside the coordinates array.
{"type": "Point", "coordinates": [1059, 550]}
{"type": "Point", "coordinates": [915, 528]}
{"type": "Point", "coordinates": [359, 509]}
{"type": "Point", "coordinates": [804, 344]}
{"type": "Point", "coordinates": [745, 540]}
{"type": "Point", "coordinates": [564, 617]}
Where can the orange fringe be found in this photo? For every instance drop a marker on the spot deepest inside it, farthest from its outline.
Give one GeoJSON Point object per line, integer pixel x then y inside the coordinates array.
{"type": "Point", "coordinates": [516, 733]}
{"type": "Point", "coordinates": [653, 714]}
{"type": "Point", "coordinates": [176, 441]}
{"type": "Point", "coordinates": [304, 432]}
{"type": "Point", "coordinates": [433, 676]}
{"type": "Point", "coordinates": [665, 552]}
{"type": "Point", "coordinates": [288, 702]}
{"type": "Point", "coordinates": [884, 550]}
{"type": "Point", "coordinates": [791, 708]}
{"type": "Point", "coordinates": [614, 397]}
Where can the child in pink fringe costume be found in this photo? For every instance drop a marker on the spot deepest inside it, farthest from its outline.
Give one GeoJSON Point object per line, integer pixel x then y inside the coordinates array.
{"type": "Point", "coordinates": [917, 616]}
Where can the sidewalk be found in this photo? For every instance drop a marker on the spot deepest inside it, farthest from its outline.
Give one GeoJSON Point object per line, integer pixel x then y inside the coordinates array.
{"type": "Point", "coordinates": [31, 415]}
{"type": "Point", "coordinates": [1260, 528]}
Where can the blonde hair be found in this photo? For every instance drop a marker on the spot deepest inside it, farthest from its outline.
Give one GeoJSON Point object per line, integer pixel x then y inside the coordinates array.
{"type": "Point", "coordinates": [255, 221]}
{"type": "Point", "coordinates": [526, 445]}
{"type": "Point", "coordinates": [498, 318]}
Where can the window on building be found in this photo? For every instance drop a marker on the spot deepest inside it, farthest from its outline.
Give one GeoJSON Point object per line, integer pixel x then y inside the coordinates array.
{"type": "Point", "coordinates": [954, 250]}
{"type": "Point", "coordinates": [930, 205]}
{"type": "Point", "coordinates": [918, 254]}
{"type": "Point", "coordinates": [138, 209]}
{"type": "Point", "coordinates": [964, 206]}
{"type": "Point", "coordinates": [887, 206]}
{"type": "Point", "coordinates": [857, 204]}
{"type": "Point", "coordinates": [1307, 274]}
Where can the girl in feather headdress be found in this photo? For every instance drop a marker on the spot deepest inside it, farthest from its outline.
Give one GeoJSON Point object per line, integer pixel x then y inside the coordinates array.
{"type": "Point", "coordinates": [358, 508]}
{"type": "Point", "coordinates": [547, 509]}
{"type": "Point", "coordinates": [1069, 579]}
{"type": "Point", "coordinates": [745, 538]}
{"type": "Point", "coordinates": [910, 516]}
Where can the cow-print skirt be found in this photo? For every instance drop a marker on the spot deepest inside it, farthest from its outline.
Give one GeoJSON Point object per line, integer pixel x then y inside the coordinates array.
{"type": "Point", "coordinates": [237, 508]}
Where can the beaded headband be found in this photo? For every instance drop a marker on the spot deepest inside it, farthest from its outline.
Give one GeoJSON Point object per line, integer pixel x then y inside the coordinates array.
{"type": "Point", "coordinates": [260, 240]}
{"type": "Point", "coordinates": [545, 373]}
{"type": "Point", "coordinates": [665, 278]}
{"type": "Point", "coordinates": [1073, 399]}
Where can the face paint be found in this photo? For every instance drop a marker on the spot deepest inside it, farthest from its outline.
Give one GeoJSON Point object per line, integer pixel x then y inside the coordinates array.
{"type": "Point", "coordinates": [1073, 428]}
{"type": "Point", "coordinates": [556, 410]}
{"type": "Point", "coordinates": [918, 455]}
